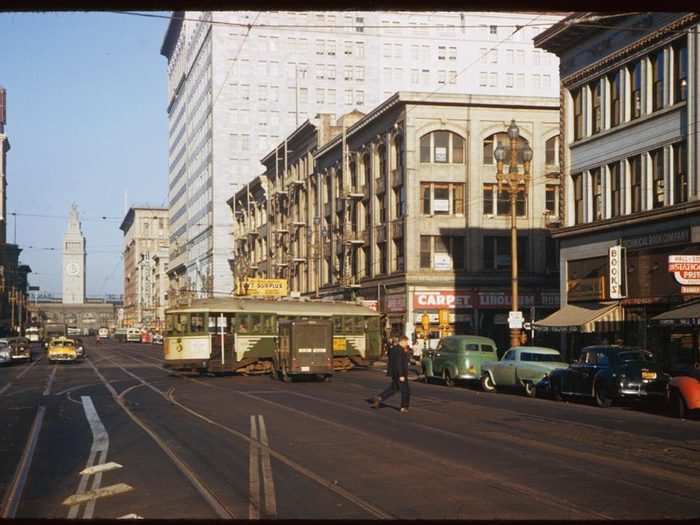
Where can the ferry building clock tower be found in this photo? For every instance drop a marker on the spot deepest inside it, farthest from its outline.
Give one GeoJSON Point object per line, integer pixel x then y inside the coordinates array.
{"type": "Point", "coordinates": [73, 261]}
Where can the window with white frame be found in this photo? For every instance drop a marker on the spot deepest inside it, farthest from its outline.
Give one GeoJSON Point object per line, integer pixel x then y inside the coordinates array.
{"type": "Point", "coordinates": [509, 80]}
{"type": "Point", "coordinates": [597, 190]}
{"type": "Point", "coordinates": [442, 147]}
{"type": "Point", "coordinates": [680, 70]}
{"type": "Point", "coordinates": [330, 72]}
{"type": "Point", "coordinates": [577, 183]}
{"type": "Point", "coordinates": [658, 191]}
{"type": "Point", "coordinates": [551, 199]}
{"type": "Point", "coordinates": [330, 48]}
{"type": "Point", "coordinates": [579, 116]}
{"type": "Point", "coordinates": [483, 79]}
{"type": "Point", "coordinates": [320, 96]}
{"type": "Point", "coordinates": [452, 77]}
{"type": "Point", "coordinates": [442, 198]}
{"type": "Point", "coordinates": [348, 96]}
{"type": "Point", "coordinates": [347, 70]}
{"type": "Point", "coordinates": [500, 202]}
{"type": "Point", "coordinates": [442, 53]}
{"type": "Point", "coordinates": [493, 80]}
{"type": "Point", "coordinates": [483, 55]}
{"type": "Point", "coordinates": [442, 77]}
{"type": "Point", "coordinates": [658, 84]}
{"type": "Point", "coordinates": [331, 96]}
{"type": "Point", "coordinates": [359, 97]}
{"type": "Point", "coordinates": [492, 141]}
{"type": "Point", "coordinates": [360, 49]}
{"type": "Point", "coordinates": [596, 92]}
{"type": "Point", "coordinates": [616, 202]}
{"type": "Point", "coordinates": [635, 100]}
{"type": "Point", "coordinates": [616, 88]}
{"type": "Point", "coordinates": [680, 172]}
{"type": "Point", "coordinates": [348, 48]}
{"type": "Point", "coordinates": [551, 151]}
{"type": "Point", "coordinates": [520, 81]}
{"type": "Point", "coordinates": [452, 53]}
{"type": "Point", "coordinates": [635, 167]}
{"type": "Point", "coordinates": [320, 71]}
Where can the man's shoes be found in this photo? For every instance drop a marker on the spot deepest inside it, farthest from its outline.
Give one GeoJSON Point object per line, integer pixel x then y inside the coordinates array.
{"type": "Point", "coordinates": [404, 409]}
{"type": "Point", "coordinates": [376, 402]}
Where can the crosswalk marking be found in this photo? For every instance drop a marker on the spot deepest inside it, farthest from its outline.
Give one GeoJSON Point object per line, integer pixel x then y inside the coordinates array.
{"type": "Point", "coordinates": [100, 468]}
{"type": "Point", "coordinates": [102, 492]}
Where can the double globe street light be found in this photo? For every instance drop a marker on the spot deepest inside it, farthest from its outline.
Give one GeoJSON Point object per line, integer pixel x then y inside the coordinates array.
{"type": "Point", "coordinates": [512, 182]}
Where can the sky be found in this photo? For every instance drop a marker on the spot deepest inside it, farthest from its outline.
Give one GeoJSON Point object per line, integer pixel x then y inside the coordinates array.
{"type": "Point", "coordinates": [87, 124]}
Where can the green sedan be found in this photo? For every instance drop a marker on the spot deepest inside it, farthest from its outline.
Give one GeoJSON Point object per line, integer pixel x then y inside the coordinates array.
{"type": "Point", "coordinates": [521, 367]}
{"type": "Point", "coordinates": [458, 357]}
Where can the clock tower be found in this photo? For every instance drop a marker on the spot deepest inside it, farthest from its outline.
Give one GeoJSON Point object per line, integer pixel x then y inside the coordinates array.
{"type": "Point", "coordinates": [73, 261]}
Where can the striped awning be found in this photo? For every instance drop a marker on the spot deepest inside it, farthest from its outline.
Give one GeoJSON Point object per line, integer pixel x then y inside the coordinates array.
{"type": "Point", "coordinates": [583, 317]}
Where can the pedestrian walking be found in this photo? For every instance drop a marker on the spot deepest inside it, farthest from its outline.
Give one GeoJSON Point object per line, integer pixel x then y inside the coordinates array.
{"type": "Point", "coordinates": [397, 369]}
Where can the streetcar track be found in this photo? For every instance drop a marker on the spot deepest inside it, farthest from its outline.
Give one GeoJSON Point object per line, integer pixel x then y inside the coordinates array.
{"type": "Point", "coordinates": [550, 448]}
{"type": "Point", "coordinates": [333, 487]}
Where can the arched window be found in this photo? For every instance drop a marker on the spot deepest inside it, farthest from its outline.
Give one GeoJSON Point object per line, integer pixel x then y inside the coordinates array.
{"type": "Point", "coordinates": [442, 147]}
{"type": "Point", "coordinates": [491, 143]}
{"type": "Point", "coordinates": [551, 151]}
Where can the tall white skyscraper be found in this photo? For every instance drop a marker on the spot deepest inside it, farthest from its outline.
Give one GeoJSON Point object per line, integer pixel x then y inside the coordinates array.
{"type": "Point", "coordinates": [73, 261]}
{"type": "Point", "coordinates": [237, 88]}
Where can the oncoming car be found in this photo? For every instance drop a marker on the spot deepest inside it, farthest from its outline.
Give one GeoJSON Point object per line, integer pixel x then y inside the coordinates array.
{"type": "Point", "coordinates": [62, 349]}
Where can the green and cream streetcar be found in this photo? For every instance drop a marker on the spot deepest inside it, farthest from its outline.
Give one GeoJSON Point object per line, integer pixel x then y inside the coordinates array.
{"type": "Point", "coordinates": [247, 330]}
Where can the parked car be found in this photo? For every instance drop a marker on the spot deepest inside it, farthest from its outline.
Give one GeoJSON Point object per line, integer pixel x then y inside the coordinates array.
{"type": "Point", "coordinates": [610, 373]}
{"type": "Point", "coordinates": [62, 349]}
{"type": "Point", "coordinates": [5, 358]}
{"type": "Point", "coordinates": [521, 367]}
{"type": "Point", "coordinates": [458, 357]}
{"type": "Point", "coordinates": [20, 348]}
{"type": "Point", "coordinates": [684, 392]}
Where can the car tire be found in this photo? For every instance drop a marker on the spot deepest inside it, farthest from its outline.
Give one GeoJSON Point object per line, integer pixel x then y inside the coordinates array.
{"type": "Point", "coordinates": [530, 389]}
{"type": "Point", "coordinates": [602, 396]}
{"type": "Point", "coordinates": [678, 408]}
{"type": "Point", "coordinates": [447, 378]}
{"type": "Point", "coordinates": [556, 391]}
{"type": "Point", "coordinates": [487, 383]}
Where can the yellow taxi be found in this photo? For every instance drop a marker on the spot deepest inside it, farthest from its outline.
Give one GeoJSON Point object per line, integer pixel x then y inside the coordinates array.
{"type": "Point", "coordinates": [62, 349]}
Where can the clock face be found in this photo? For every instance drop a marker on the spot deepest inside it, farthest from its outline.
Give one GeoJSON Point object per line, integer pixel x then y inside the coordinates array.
{"type": "Point", "coordinates": [72, 268]}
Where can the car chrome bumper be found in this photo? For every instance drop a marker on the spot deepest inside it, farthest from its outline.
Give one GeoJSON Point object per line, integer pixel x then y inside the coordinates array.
{"type": "Point", "coordinates": [642, 390]}
{"type": "Point", "coordinates": [468, 376]}
{"type": "Point", "coordinates": [62, 358]}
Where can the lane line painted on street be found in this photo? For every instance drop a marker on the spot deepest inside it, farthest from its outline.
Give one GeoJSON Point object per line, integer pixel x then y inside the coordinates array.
{"type": "Point", "coordinates": [14, 493]}
{"type": "Point", "coordinates": [253, 472]}
{"type": "Point", "coordinates": [5, 388]}
{"type": "Point", "coordinates": [47, 390]}
{"type": "Point", "coordinates": [27, 369]}
{"type": "Point", "coordinates": [104, 467]}
{"type": "Point", "coordinates": [100, 443]}
{"type": "Point", "coordinates": [96, 482]}
{"type": "Point", "coordinates": [131, 516]}
{"type": "Point", "coordinates": [92, 495]}
{"type": "Point", "coordinates": [268, 483]}
{"type": "Point", "coordinates": [184, 469]}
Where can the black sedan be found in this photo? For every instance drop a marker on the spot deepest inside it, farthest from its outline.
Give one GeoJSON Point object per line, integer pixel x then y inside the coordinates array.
{"type": "Point", "coordinates": [609, 373]}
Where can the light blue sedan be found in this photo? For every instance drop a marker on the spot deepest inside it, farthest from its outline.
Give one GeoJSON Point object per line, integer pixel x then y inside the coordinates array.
{"type": "Point", "coordinates": [521, 367]}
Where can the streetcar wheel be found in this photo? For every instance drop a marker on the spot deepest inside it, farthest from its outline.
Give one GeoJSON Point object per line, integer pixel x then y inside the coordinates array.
{"type": "Point", "coordinates": [487, 383]}
{"type": "Point", "coordinates": [448, 379]}
{"type": "Point", "coordinates": [530, 390]}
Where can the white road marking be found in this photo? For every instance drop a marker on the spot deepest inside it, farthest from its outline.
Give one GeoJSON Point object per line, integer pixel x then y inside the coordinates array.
{"type": "Point", "coordinates": [14, 494]}
{"type": "Point", "coordinates": [100, 468]}
{"type": "Point", "coordinates": [5, 388]}
{"type": "Point", "coordinates": [47, 391]}
{"type": "Point", "coordinates": [131, 516]}
{"type": "Point", "coordinates": [268, 483]}
{"type": "Point", "coordinates": [100, 444]}
{"type": "Point", "coordinates": [92, 495]}
{"type": "Point", "coordinates": [27, 369]}
{"type": "Point", "coordinates": [253, 472]}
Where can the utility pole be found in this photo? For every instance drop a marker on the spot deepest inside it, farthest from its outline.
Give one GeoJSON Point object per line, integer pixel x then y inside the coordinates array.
{"type": "Point", "coordinates": [12, 310]}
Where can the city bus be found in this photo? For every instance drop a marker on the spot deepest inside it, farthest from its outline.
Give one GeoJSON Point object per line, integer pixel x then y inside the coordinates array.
{"type": "Point", "coordinates": [247, 328]}
{"type": "Point", "coordinates": [33, 334]}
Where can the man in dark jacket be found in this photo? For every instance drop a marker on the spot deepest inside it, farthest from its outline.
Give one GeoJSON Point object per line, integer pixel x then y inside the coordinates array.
{"type": "Point", "coordinates": [399, 356]}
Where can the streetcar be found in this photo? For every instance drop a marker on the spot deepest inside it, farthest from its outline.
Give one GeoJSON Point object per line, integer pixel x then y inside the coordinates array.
{"type": "Point", "coordinates": [33, 333]}
{"type": "Point", "coordinates": [247, 329]}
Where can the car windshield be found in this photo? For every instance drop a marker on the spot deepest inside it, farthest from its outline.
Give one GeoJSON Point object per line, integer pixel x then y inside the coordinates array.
{"type": "Point", "coordinates": [62, 343]}
{"type": "Point", "coordinates": [540, 358]}
{"type": "Point", "coordinates": [635, 355]}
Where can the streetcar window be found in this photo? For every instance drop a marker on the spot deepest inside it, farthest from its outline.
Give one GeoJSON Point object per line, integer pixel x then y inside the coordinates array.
{"type": "Point", "coordinates": [338, 325]}
{"type": "Point", "coordinates": [267, 325]}
{"type": "Point", "coordinates": [244, 324]}
{"type": "Point", "coordinates": [197, 323]}
{"type": "Point", "coordinates": [182, 321]}
{"type": "Point", "coordinates": [169, 324]}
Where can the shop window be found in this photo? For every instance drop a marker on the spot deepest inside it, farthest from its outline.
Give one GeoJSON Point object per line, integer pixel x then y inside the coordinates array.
{"type": "Point", "coordinates": [635, 101]}
{"type": "Point", "coordinates": [657, 178]}
{"type": "Point", "coordinates": [635, 164]}
{"type": "Point", "coordinates": [680, 71]}
{"type": "Point", "coordinates": [442, 147]}
{"type": "Point", "coordinates": [680, 172]}
{"type": "Point", "coordinates": [577, 180]}
{"type": "Point", "coordinates": [615, 83]}
{"type": "Point", "coordinates": [657, 72]}
{"type": "Point", "coordinates": [597, 185]}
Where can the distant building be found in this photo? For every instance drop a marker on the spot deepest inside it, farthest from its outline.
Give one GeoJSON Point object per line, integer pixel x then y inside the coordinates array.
{"type": "Point", "coordinates": [630, 160]}
{"type": "Point", "coordinates": [145, 256]}
{"type": "Point", "coordinates": [73, 261]}
{"type": "Point", "coordinates": [407, 213]}
{"type": "Point", "coordinates": [234, 93]}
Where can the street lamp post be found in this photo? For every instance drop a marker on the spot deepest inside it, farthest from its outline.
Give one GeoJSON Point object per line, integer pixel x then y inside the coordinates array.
{"type": "Point", "coordinates": [511, 182]}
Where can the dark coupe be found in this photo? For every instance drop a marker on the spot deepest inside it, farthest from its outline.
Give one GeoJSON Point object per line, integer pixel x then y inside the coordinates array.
{"type": "Point", "coordinates": [609, 373]}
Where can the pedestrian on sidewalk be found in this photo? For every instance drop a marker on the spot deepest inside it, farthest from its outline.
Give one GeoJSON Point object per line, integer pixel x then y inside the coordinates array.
{"type": "Point", "coordinates": [399, 355]}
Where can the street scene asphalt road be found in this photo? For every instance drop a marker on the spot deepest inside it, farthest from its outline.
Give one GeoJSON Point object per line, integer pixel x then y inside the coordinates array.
{"type": "Point", "coordinates": [117, 435]}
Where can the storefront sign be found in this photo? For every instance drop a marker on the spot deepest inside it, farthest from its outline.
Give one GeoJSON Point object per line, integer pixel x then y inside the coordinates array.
{"type": "Point", "coordinates": [442, 299]}
{"type": "Point", "coordinates": [690, 289]}
{"type": "Point", "coordinates": [685, 268]}
{"type": "Point", "coordinates": [616, 258]}
{"type": "Point", "coordinates": [503, 300]}
{"type": "Point", "coordinates": [396, 303]}
{"type": "Point", "coordinates": [433, 318]}
{"type": "Point", "coordinates": [657, 239]}
{"type": "Point", "coordinates": [265, 287]}
{"type": "Point", "coordinates": [372, 305]}
{"type": "Point", "coordinates": [442, 261]}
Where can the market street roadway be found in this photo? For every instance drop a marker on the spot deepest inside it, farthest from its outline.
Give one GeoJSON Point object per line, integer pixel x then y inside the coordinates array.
{"type": "Point", "coordinates": [158, 445]}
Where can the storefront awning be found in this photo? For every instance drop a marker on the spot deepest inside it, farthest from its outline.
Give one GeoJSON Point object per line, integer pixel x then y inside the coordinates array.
{"type": "Point", "coordinates": [583, 317]}
{"type": "Point", "coordinates": [690, 312]}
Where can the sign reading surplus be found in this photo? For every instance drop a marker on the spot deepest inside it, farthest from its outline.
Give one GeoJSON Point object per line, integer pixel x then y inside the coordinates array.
{"type": "Point", "coordinates": [265, 287]}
